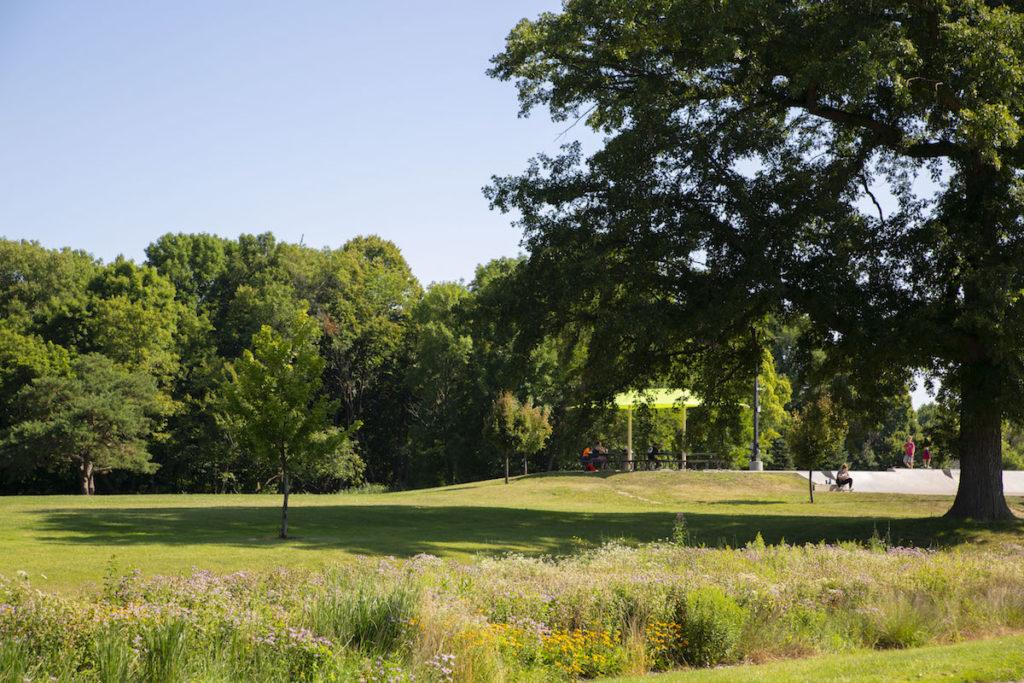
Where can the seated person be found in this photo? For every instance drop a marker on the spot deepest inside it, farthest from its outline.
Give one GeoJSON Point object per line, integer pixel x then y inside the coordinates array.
{"type": "Point", "coordinates": [843, 477]}
{"type": "Point", "coordinates": [586, 459]}
{"type": "Point", "coordinates": [652, 455]}
{"type": "Point", "coordinates": [600, 454]}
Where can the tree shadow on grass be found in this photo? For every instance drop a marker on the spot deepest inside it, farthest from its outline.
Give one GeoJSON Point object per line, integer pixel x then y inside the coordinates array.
{"type": "Point", "coordinates": [405, 530]}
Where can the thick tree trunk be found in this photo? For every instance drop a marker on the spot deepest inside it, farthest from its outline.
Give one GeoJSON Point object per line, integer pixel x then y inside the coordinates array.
{"type": "Point", "coordinates": [810, 484]}
{"type": "Point", "coordinates": [85, 478]}
{"type": "Point", "coordinates": [980, 493]}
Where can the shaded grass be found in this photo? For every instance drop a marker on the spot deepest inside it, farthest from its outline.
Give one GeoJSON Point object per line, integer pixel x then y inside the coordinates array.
{"type": "Point", "coordinates": [999, 659]}
{"type": "Point", "coordinates": [71, 540]}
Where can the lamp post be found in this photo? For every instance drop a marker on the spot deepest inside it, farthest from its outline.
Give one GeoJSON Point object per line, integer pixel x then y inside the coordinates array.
{"type": "Point", "coordinates": [755, 458]}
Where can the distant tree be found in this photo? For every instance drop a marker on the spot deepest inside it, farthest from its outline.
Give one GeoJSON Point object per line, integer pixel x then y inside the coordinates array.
{"type": "Point", "coordinates": [443, 415]}
{"type": "Point", "coordinates": [96, 419]}
{"type": "Point", "coordinates": [39, 287]}
{"type": "Point", "coordinates": [816, 436]}
{"type": "Point", "coordinates": [272, 404]}
{"type": "Point", "coordinates": [23, 358]}
{"type": "Point", "coordinates": [194, 263]}
{"type": "Point", "coordinates": [131, 316]}
{"type": "Point", "coordinates": [516, 428]}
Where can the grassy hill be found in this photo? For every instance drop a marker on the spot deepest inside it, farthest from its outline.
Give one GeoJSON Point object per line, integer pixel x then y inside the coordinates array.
{"type": "Point", "coordinates": [71, 541]}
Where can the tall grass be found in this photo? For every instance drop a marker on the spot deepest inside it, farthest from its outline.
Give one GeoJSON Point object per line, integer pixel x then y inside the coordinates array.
{"type": "Point", "coordinates": [368, 615]}
{"type": "Point", "coordinates": [611, 610]}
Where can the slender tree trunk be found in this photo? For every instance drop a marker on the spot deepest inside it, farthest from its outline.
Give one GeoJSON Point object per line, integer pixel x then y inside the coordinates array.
{"type": "Point", "coordinates": [506, 469]}
{"type": "Point", "coordinates": [85, 478]}
{"type": "Point", "coordinates": [285, 486]}
{"type": "Point", "coordinates": [980, 493]}
{"type": "Point", "coordinates": [810, 484]}
{"type": "Point", "coordinates": [526, 467]}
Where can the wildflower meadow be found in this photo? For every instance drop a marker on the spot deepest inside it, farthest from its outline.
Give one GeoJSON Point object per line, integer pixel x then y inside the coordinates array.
{"type": "Point", "coordinates": [612, 610]}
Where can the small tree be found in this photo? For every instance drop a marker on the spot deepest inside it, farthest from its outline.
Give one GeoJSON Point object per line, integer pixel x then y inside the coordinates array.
{"type": "Point", "coordinates": [514, 427]}
{"type": "Point", "coordinates": [816, 435]}
{"type": "Point", "coordinates": [272, 405]}
{"type": "Point", "coordinates": [95, 419]}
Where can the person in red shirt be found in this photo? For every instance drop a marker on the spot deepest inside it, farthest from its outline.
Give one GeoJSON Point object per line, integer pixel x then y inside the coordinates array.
{"type": "Point", "coordinates": [908, 452]}
{"type": "Point", "coordinates": [926, 458]}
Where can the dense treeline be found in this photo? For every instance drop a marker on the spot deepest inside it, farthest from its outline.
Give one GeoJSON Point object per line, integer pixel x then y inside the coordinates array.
{"type": "Point", "coordinates": [129, 362]}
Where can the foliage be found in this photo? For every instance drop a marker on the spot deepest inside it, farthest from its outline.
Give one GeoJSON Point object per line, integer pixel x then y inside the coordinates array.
{"type": "Point", "coordinates": [817, 435]}
{"type": "Point", "coordinates": [272, 404]}
{"type": "Point", "coordinates": [743, 149]}
{"type": "Point", "coordinates": [712, 624]}
{"type": "Point", "coordinates": [99, 417]}
{"type": "Point", "coordinates": [517, 428]}
{"type": "Point", "coordinates": [510, 618]}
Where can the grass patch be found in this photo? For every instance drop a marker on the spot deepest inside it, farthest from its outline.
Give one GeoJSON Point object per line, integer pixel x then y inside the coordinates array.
{"type": "Point", "coordinates": [999, 659]}
{"type": "Point", "coordinates": [67, 542]}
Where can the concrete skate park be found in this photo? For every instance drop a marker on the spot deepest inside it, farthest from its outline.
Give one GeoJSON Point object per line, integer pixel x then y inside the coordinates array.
{"type": "Point", "coordinates": [914, 481]}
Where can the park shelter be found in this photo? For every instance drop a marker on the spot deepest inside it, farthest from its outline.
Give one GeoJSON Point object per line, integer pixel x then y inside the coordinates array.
{"type": "Point", "coordinates": [658, 399]}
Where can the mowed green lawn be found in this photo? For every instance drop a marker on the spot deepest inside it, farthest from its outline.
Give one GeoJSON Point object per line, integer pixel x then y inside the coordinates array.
{"type": "Point", "coordinates": [71, 541]}
{"type": "Point", "coordinates": [999, 659]}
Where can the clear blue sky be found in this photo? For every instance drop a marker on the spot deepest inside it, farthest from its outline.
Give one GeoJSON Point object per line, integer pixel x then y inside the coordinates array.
{"type": "Point", "coordinates": [120, 121]}
{"type": "Point", "coordinates": [318, 120]}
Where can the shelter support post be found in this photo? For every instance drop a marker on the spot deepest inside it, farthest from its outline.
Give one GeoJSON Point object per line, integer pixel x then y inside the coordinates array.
{"type": "Point", "coordinates": [629, 440]}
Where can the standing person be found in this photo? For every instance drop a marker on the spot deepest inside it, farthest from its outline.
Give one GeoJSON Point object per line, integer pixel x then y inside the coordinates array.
{"type": "Point", "coordinates": [926, 458]}
{"type": "Point", "coordinates": [908, 453]}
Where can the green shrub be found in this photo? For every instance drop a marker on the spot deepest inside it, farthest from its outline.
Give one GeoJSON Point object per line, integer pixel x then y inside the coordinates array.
{"type": "Point", "coordinates": [371, 616]}
{"type": "Point", "coordinates": [581, 653]}
{"type": "Point", "coordinates": [14, 659]}
{"type": "Point", "coordinates": [899, 626]}
{"type": "Point", "coordinates": [164, 652]}
{"type": "Point", "coordinates": [112, 656]}
{"type": "Point", "coordinates": [712, 624]}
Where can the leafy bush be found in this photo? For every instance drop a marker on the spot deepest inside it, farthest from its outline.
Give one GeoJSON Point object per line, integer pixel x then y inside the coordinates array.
{"type": "Point", "coordinates": [583, 654]}
{"type": "Point", "coordinates": [112, 656]}
{"type": "Point", "coordinates": [164, 652]}
{"type": "Point", "coordinates": [712, 625]}
{"type": "Point", "coordinates": [899, 625]}
{"type": "Point", "coordinates": [371, 616]}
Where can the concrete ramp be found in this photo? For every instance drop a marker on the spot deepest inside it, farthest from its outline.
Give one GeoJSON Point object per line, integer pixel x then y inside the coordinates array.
{"type": "Point", "coordinates": [917, 481]}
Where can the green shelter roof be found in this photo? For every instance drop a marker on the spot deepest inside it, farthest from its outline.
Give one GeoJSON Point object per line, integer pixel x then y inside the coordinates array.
{"type": "Point", "coordinates": [656, 398]}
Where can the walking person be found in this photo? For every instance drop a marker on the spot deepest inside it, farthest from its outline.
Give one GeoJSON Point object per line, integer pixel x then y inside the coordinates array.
{"type": "Point", "coordinates": [908, 453]}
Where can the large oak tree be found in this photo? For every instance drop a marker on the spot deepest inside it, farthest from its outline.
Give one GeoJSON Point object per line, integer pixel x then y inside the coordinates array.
{"type": "Point", "coordinates": [749, 147]}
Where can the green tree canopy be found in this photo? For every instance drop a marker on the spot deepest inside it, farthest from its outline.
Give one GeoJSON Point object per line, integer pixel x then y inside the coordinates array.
{"type": "Point", "coordinates": [272, 404]}
{"type": "Point", "coordinates": [98, 418]}
{"type": "Point", "coordinates": [817, 436]}
{"type": "Point", "coordinates": [745, 144]}
{"type": "Point", "coordinates": [515, 427]}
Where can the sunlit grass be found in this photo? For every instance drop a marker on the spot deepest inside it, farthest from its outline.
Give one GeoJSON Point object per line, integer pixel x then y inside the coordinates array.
{"type": "Point", "coordinates": [72, 540]}
{"type": "Point", "coordinates": [1000, 659]}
